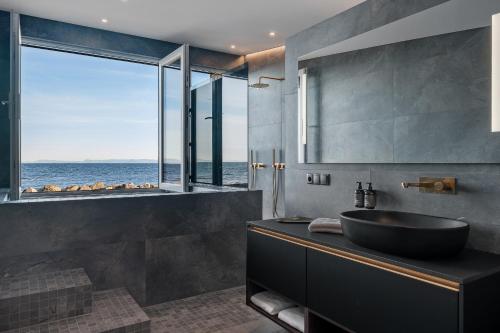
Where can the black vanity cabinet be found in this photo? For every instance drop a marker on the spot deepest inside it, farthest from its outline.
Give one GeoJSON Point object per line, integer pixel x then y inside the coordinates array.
{"type": "Point", "coordinates": [368, 299]}
{"type": "Point", "coordinates": [277, 265]}
{"type": "Point", "coordinates": [347, 288]}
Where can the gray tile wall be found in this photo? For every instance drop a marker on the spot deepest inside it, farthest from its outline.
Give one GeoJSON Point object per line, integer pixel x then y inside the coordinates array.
{"type": "Point", "coordinates": [265, 120]}
{"type": "Point", "coordinates": [160, 247]}
{"type": "Point", "coordinates": [479, 184]}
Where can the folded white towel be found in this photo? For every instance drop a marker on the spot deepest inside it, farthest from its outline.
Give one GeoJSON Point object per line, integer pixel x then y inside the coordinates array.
{"type": "Point", "coordinates": [325, 224]}
{"type": "Point", "coordinates": [293, 317]}
{"type": "Point", "coordinates": [270, 302]}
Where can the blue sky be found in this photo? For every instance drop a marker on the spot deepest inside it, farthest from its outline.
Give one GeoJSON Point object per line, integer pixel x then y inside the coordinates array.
{"type": "Point", "coordinates": [78, 107]}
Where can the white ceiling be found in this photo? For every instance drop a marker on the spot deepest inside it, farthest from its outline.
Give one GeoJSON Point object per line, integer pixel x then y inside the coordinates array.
{"type": "Point", "coordinates": [213, 24]}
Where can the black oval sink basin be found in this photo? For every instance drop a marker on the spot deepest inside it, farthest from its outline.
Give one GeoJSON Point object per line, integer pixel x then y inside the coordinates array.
{"type": "Point", "coordinates": [405, 234]}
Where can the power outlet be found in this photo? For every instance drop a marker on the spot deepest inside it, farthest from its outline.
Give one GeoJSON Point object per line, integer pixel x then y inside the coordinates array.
{"type": "Point", "coordinates": [309, 178]}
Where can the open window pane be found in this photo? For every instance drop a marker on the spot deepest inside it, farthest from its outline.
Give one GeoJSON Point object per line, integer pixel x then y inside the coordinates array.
{"type": "Point", "coordinates": [203, 118]}
{"type": "Point", "coordinates": [234, 132]}
{"type": "Point", "coordinates": [173, 83]}
{"type": "Point", "coordinates": [87, 122]}
{"type": "Point", "coordinates": [172, 126]}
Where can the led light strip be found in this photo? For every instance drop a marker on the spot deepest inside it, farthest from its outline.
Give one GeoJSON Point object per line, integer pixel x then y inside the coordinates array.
{"type": "Point", "coordinates": [436, 281]}
{"type": "Point", "coordinates": [495, 74]}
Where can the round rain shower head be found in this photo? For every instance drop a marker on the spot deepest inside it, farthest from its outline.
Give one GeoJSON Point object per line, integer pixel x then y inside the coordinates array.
{"type": "Point", "coordinates": [259, 85]}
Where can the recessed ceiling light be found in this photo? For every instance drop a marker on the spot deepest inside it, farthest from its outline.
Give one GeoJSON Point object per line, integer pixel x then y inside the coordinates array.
{"type": "Point", "coordinates": [233, 46]}
{"type": "Point", "coordinates": [104, 20]}
{"type": "Point", "coordinates": [272, 34]}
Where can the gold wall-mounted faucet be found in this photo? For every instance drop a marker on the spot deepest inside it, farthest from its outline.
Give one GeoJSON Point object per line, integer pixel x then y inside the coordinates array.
{"type": "Point", "coordinates": [446, 185]}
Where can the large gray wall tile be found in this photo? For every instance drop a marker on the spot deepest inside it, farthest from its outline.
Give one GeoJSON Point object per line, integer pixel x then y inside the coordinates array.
{"type": "Point", "coordinates": [265, 114]}
{"type": "Point", "coordinates": [181, 266]}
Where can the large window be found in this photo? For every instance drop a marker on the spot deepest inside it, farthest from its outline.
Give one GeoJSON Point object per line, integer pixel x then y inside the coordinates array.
{"type": "Point", "coordinates": [91, 124]}
{"type": "Point", "coordinates": [87, 122]}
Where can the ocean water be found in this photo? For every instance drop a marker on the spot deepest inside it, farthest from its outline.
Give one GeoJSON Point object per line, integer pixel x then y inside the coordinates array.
{"type": "Point", "coordinates": [65, 174]}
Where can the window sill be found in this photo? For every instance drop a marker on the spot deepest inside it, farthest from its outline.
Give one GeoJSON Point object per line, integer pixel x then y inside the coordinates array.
{"type": "Point", "coordinates": [72, 196]}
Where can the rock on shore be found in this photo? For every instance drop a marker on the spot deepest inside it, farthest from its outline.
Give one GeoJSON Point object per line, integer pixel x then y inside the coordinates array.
{"type": "Point", "coordinates": [51, 188]}
{"type": "Point", "coordinates": [98, 186]}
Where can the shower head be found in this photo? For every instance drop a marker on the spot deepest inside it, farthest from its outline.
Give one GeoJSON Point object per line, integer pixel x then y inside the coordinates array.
{"type": "Point", "coordinates": [260, 85]}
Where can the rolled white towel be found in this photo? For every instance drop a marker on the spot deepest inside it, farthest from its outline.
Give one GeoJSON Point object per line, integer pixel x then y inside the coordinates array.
{"type": "Point", "coordinates": [270, 302]}
{"type": "Point", "coordinates": [325, 224]}
{"type": "Point", "coordinates": [293, 317]}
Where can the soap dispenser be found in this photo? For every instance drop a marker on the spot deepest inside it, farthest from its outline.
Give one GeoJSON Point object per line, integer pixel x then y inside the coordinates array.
{"type": "Point", "coordinates": [359, 196]}
{"type": "Point", "coordinates": [370, 197]}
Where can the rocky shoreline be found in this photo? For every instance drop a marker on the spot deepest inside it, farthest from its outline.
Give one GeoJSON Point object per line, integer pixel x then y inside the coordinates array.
{"type": "Point", "coordinates": [98, 186]}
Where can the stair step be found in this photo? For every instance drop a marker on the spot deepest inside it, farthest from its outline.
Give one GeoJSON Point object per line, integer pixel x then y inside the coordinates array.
{"type": "Point", "coordinates": [113, 311]}
{"type": "Point", "coordinates": [37, 298]}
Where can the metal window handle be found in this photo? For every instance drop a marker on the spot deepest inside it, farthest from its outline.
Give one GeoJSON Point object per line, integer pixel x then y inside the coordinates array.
{"type": "Point", "coordinates": [3, 103]}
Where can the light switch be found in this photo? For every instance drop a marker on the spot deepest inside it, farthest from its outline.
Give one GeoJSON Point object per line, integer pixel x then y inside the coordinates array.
{"type": "Point", "coordinates": [325, 179]}
{"type": "Point", "coordinates": [316, 179]}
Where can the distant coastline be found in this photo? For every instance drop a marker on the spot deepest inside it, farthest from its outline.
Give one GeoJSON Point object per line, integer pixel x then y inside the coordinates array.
{"type": "Point", "coordinates": [140, 161]}
{"type": "Point", "coordinates": [116, 172]}
{"type": "Point", "coordinates": [98, 161]}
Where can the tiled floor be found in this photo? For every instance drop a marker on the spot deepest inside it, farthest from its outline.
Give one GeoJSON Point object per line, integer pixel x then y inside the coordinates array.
{"type": "Point", "coordinates": [218, 312]}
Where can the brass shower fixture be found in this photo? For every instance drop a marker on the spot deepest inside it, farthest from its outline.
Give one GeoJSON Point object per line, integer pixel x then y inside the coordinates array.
{"type": "Point", "coordinates": [260, 84]}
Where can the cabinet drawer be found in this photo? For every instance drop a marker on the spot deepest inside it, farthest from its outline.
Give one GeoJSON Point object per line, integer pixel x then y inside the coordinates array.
{"type": "Point", "coordinates": [367, 299]}
{"type": "Point", "coordinates": [277, 265]}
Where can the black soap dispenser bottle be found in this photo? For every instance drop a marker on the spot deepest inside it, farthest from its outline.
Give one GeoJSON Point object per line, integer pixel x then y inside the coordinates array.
{"type": "Point", "coordinates": [359, 196]}
{"type": "Point", "coordinates": [370, 197]}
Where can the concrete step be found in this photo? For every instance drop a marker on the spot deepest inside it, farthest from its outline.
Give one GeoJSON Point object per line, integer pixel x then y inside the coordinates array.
{"type": "Point", "coordinates": [37, 298]}
{"type": "Point", "coordinates": [113, 311]}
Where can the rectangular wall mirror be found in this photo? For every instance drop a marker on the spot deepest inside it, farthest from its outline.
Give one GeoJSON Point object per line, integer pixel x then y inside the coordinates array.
{"type": "Point", "coordinates": [417, 90]}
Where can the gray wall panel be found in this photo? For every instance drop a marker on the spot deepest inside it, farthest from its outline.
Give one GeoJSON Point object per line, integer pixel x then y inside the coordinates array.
{"type": "Point", "coordinates": [265, 117]}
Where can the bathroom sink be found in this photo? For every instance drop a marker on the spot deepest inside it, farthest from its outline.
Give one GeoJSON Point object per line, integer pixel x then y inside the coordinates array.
{"type": "Point", "coordinates": [405, 234]}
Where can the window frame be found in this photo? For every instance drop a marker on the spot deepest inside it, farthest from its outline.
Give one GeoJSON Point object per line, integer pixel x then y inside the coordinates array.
{"type": "Point", "coordinates": [105, 54]}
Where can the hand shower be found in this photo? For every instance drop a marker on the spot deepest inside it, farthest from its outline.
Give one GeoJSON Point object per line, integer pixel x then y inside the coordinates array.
{"type": "Point", "coordinates": [254, 166]}
{"type": "Point", "coordinates": [277, 166]}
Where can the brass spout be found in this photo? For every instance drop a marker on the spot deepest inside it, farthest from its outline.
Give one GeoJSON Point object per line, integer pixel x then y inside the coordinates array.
{"type": "Point", "coordinates": [445, 185]}
{"type": "Point", "coordinates": [409, 184]}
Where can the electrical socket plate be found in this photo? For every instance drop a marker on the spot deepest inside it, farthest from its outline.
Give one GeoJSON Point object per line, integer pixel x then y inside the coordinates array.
{"type": "Point", "coordinates": [309, 178]}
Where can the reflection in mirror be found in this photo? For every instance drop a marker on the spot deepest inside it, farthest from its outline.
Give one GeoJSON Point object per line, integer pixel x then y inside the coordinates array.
{"type": "Point", "coordinates": [417, 90]}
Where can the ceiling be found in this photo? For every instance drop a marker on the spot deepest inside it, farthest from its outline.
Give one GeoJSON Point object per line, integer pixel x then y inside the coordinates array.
{"type": "Point", "coordinates": [212, 24]}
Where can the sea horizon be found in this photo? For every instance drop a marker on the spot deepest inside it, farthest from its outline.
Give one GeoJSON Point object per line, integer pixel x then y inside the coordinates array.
{"type": "Point", "coordinates": [63, 174]}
